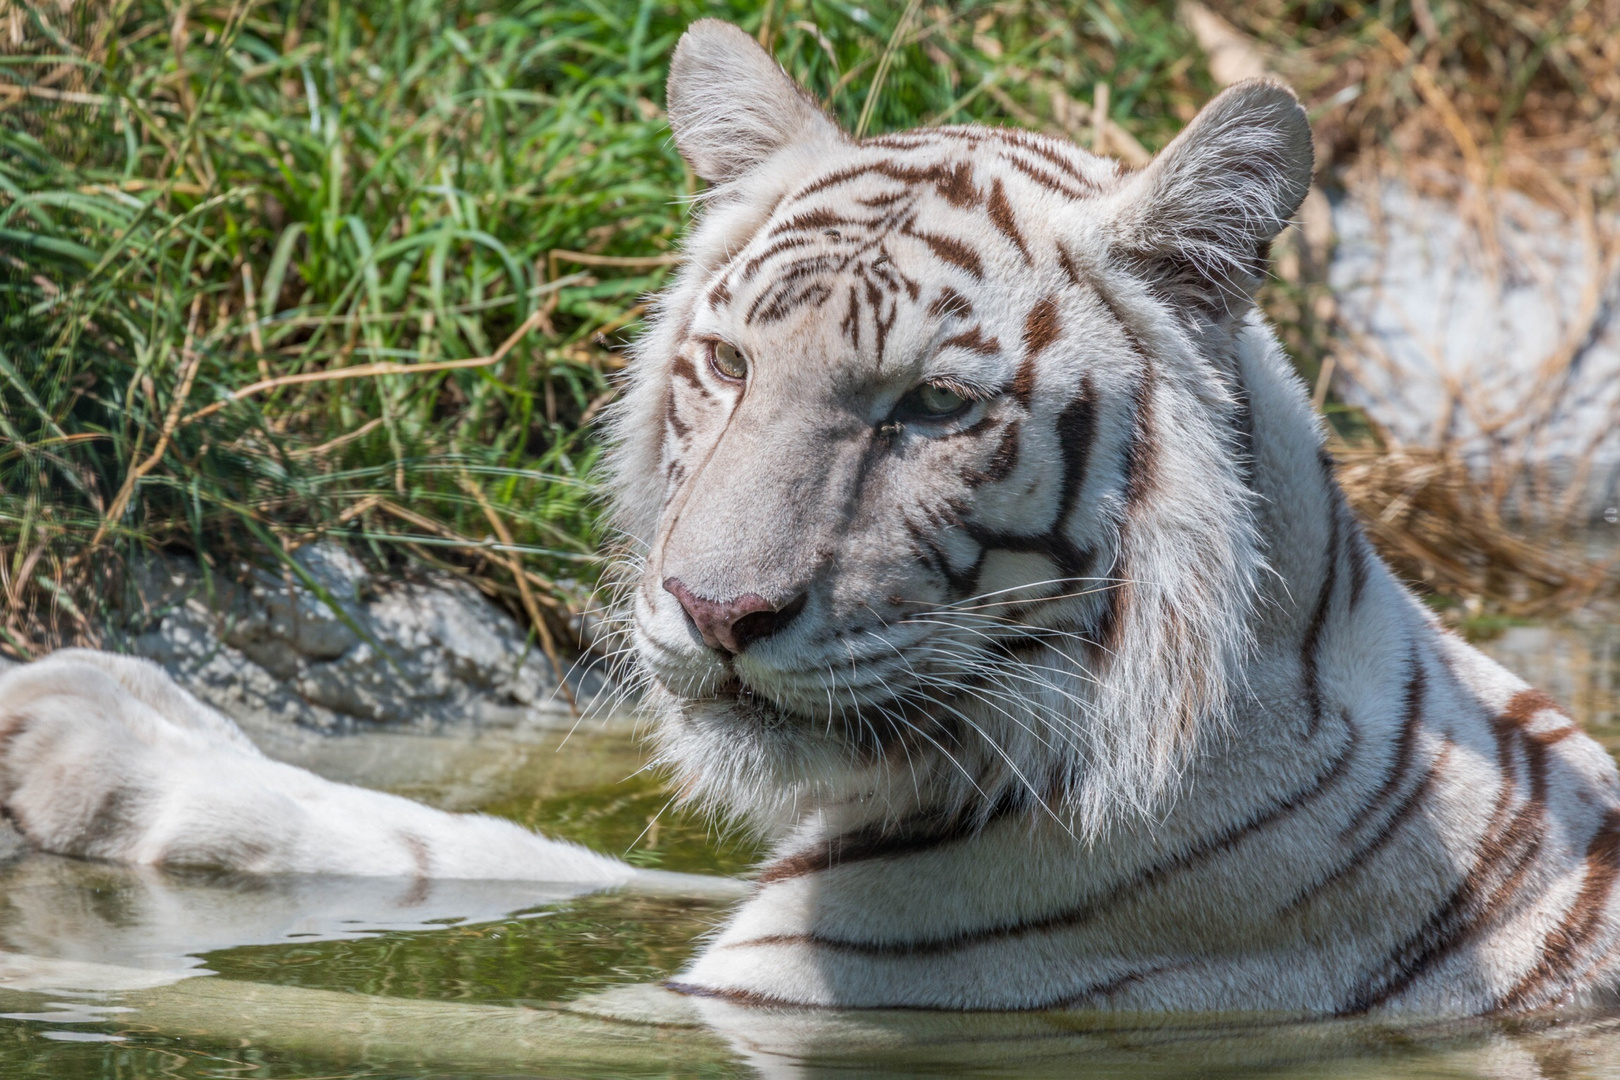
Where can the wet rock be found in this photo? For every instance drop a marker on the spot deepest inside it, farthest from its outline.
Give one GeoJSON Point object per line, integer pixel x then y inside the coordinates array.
{"type": "Point", "coordinates": [418, 654]}
{"type": "Point", "coordinates": [1487, 323]}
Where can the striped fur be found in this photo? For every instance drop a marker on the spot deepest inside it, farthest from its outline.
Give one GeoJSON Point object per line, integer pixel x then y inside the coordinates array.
{"type": "Point", "coordinates": [1088, 694]}
{"type": "Point", "coordinates": [1098, 696]}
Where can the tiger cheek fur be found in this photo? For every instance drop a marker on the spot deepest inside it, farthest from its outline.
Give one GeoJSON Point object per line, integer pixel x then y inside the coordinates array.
{"type": "Point", "coordinates": [1089, 692]}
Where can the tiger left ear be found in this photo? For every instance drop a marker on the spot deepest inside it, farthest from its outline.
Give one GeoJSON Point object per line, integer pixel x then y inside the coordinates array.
{"type": "Point", "coordinates": [731, 106]}
{"type": "Point", "coordinates": [1198, 221]}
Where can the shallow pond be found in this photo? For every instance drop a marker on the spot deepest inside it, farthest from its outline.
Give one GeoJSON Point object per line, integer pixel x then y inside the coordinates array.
{"type": "Point", "coordinates": [339, 978]}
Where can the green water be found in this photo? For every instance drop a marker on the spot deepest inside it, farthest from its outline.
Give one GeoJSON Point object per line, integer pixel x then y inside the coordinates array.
{"type": "Point", "coordinates": [329, 979]}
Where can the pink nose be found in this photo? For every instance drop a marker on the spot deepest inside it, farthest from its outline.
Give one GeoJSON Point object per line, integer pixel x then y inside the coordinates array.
{"type": "Point", "coordinates": [730, 625]}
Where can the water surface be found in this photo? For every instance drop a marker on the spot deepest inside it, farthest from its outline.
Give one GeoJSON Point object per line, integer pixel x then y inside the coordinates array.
{"type": "Point", "coordinates": [101, 967]}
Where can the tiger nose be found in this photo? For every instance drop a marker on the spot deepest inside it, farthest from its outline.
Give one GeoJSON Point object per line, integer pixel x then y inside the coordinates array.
{"type": "Point", "coordinates": [732, 625]}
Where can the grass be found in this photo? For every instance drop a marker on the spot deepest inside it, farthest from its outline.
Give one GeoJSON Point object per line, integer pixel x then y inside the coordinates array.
{"type": "Point", "coordinates": [209, 210]}
{"type": "Point", "coordinates": [197, 201]}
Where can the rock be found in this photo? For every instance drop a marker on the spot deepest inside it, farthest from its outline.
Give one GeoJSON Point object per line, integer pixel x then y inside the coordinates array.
{"type": "Point", "coordinates": [420, 654]}
{"type": "Point", "coordinates": [1488, 324]}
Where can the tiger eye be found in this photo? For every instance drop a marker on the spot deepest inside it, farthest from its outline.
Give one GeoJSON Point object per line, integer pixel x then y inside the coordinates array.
{"type": "Point", "coordinates": [728, 360]}
{"type": "Point", "coordinates": [938, 401]}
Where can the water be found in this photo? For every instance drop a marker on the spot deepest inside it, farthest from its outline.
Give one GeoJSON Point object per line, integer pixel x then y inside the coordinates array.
{"type": "Point", "coordinates": [316, 978]}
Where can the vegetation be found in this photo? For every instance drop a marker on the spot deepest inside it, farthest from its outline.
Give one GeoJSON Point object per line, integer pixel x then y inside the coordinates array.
{"type": "Point", "coordinates": [277, 270]}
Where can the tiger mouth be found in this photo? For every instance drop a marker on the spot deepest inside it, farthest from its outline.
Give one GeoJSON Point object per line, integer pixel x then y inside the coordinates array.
{"type": "Point", "coordinates": [746, 702]}
{"type": "Point", "coordinates": [742, 705]}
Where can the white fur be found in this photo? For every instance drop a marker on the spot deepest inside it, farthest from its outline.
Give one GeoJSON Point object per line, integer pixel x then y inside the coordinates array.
{"type": "Point", "coordinates": [1095, 694]}
{"type": "Point", "coordinates": [107, 758]}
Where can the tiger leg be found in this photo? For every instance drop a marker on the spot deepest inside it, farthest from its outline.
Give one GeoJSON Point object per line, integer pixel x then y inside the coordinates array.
{"type": "Point", "coordinates": [105, 757]}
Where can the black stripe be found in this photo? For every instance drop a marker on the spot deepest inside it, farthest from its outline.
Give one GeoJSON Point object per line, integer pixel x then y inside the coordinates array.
{"type": "Point", "coordinates": [1311, 644]}
{"type": "Point", "coordinates": [1405, 746]}
{"type": "Point", "coordinates": [1076, 916]}
{"type": "Point", "coordinates": [921, 833]}
{"type": "Point", "coordinates": [1076, 429]}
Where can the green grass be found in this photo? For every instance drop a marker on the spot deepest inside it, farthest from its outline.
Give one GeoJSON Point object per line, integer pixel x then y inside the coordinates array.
{"type": "Point", "coordinates": [196, 198]}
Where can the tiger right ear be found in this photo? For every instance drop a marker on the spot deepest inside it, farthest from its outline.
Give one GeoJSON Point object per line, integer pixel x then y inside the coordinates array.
{"type": "Point", "coordinates": [1198, 221]}
{"type": "Point", "coordinates": [731, 106]}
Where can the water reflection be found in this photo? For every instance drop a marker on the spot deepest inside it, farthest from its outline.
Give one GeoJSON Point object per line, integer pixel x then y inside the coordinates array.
{"type": "Point", "coordinates": [100, 965]}
{"type": "Point", "coordinates": [163, 922]}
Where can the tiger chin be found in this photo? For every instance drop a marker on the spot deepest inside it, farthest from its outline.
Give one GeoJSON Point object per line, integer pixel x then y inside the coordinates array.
{"type": "Point", "coordinates": [988, 558]}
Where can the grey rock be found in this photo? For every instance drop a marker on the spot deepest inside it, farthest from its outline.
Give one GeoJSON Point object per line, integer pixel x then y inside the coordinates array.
{"type": "Point", "coordinates": [421, 654]}
{"type": "Point", "coordinates": [1484, 323]}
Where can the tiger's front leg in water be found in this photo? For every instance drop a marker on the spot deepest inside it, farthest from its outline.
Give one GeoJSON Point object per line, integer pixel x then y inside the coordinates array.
{"type": "Point", "coordinates": [106, 758]}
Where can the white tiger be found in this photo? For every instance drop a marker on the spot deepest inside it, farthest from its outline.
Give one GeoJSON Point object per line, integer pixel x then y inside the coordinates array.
{"type": "Point", "coordinates": [990, 558]}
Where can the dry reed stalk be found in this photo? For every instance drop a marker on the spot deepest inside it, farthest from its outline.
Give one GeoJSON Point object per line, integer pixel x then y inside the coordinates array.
{"type": "Point", "coordinates": [1461, 101]}
{"type": "Point", "coordinates": [1437, 523]}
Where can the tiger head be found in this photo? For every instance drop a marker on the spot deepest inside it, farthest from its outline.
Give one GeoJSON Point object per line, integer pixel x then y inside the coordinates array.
{"type": "Point", "coordinates": [932, 455]}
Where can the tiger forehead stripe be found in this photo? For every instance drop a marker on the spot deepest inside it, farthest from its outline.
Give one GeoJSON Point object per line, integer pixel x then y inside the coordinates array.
{"type": "Point", "coordinates": [973, 340]}
{"type": "Point", "coordinates": [1002, 217]}
{"type": "Point", "coordinates": [953, 181]}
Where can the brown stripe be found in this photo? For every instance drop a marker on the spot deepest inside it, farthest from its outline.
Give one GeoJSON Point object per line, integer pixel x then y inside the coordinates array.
{"type": "Point", "coordinates": [952, 251]}
{"type": "Point", "coordinates": [1043, 178]}
{"type": "Point", "coordinates": [1071, 270]}
{"type": "Point", "coordinates": [880, 325]}
{"type": "Point", "coordinates": [781, 287]}
{"type": "Point", "coordinates": [1376, 843]}
{"type": "Point", "coordinates": [1024, 140]}
{"type": "Point", "coordinates": [974, 341]}
{"type": "Point", "coordinates": [823, 220]}
{"type": "Point", "coordinates": [1041, 327]}
{"type": "Point", "coordinates": [672, 418]}
{"type": "Point", "coordinates": [681, 367]}
{"type": "Point", "coordinates": [1523, 706]}
{"type": "Point", "coordinates": [851, 326]}
{"type": "Point", "coordinates": [775, 248]}
{"type": "Point", "coordinates": [1501, 864]}
{"type": "Point", "coordinates": [1570, 942]}
{"type": "Point", "coordinates": [953, 182]}
{"type": "Point", "coordinates": [950, 302]}
{"type": "Point", "coordinates": [784, 299]}
{"type": "Point", "coordinates": [1005, 459]}
{"type": "Point", "coordinates": [1002, 217]}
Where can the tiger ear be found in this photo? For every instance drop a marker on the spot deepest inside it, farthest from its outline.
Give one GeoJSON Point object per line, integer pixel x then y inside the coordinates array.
{"type": "Point", "coordinates": [1198, 221]}
{"type": "Point", "coordinates": [731, 106]}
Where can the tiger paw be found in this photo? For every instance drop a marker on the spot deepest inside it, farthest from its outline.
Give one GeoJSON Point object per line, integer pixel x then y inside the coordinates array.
{"type": "Point", "coordinates": [92, 748]}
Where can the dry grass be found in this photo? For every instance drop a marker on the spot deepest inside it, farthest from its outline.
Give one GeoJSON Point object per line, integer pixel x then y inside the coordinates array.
{"type": "Point", "coordinates": [1465, 101]}
{"type": "Point", "coordinates": [1439, 527]}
